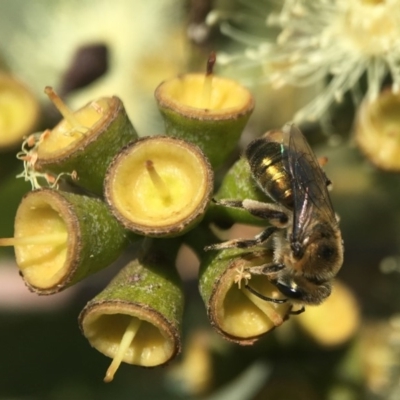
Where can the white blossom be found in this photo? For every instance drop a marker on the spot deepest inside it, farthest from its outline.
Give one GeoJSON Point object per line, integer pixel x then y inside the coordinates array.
{"type": "Point", "coordinates": [330, 41]}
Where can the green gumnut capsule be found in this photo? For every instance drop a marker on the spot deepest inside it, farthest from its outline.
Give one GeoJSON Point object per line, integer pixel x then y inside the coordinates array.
{"type": "Point", "coordinates": [159, 186]}
{"type": "Point", "coordinates": [238, 184]}
{"type": "Point", "coordinates": [236, 313]}
{"type": "Point", "coordinates": [206, 110]}
{"type": "Point", "coordinates": [85, 141]}
{"type": "Point", "coordinates": [61, 238]}
{"type": "Point", "coordinates": [137, 318]}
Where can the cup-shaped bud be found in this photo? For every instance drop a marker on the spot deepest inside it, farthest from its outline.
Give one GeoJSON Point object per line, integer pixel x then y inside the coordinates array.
{"type": "Point", "coordinates": [378, 130]}
{"type": "Point", "coordinates": [19, 111]}
{"type": "Point", "coordinates": [60, 238]}
{"type": "Point", "coordinates": [207, 110]}
{"type": "Point", "coordinates": [234, 311]}
{"type": "Point", "coordinates": [194, 375]}
{"type": "Point", "coordinates": [159, 186]}
{"type": "Point", "coordinates": [336, 320]}
{"type": "Point", "coordinates": [238, 184]}
{"type": "Point", "coordinates": [136, 318]}
{"type": "Point", "coordinates": [85, 141]}
{"type": "Point", "coordinates": [377, 355]}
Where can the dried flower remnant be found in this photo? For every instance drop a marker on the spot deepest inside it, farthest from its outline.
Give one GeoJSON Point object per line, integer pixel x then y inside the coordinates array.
{"type": "Point", "coordinates": [341, 40]}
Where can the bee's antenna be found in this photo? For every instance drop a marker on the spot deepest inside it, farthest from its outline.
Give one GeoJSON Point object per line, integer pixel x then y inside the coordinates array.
{"type": "Point", "coordinates": [261, 296]}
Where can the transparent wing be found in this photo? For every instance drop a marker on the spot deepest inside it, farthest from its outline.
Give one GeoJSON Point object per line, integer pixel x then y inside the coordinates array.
{"type": "Point", "coordinates": [309, 183]}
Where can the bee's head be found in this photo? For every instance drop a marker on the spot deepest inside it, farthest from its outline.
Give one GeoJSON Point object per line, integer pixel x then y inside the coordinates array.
{"type": "Point", "coordinates": [320, 255]}
{"type": "Point", "coordinates": [303, 291]}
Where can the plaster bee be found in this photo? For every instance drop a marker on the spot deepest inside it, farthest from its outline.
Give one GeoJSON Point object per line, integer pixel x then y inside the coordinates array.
{"type": "Point", "coordinates": [304, 232]}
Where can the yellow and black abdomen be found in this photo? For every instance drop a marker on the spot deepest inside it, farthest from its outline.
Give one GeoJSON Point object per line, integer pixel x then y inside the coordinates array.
{"type": "Point", "coordinates": [266, 160]}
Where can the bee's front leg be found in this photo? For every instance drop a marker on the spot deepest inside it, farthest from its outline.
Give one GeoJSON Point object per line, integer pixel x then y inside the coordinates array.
{"type": "Point", "coordinates": [297, 312]}
{"type": "Point", "coordinates": [271, 212]}
{"type": "Point", "coordinates": [264, 269]}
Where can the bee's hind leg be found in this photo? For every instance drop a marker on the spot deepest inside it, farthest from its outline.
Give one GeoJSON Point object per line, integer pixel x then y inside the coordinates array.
{"type": "Point", "coordinates": [271, 212]}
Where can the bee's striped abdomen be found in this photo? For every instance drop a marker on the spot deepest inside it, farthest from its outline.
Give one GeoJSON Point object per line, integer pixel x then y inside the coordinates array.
{"type": "Point", "coordinates": [266, 160]}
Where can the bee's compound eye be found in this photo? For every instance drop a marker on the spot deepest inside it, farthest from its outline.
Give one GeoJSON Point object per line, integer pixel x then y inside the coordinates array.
{"type": "Point", "coordinates": [290, 291]}
{"type": "Point", "coordinates": [326, 252]}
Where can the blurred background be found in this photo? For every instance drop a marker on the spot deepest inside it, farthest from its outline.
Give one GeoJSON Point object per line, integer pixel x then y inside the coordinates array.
{"type": "Point", "coordinates": [348, 348]}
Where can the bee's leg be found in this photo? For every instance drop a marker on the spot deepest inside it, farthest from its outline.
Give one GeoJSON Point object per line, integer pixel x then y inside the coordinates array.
{"type": "Point", "coordinates": [268, 211]}
{"type": "Point", "coordinates": [265, 269]}
{"type": "Point", "coordinates": [297, 312]}
{"type": "Point", "coordinates": [244, 243]}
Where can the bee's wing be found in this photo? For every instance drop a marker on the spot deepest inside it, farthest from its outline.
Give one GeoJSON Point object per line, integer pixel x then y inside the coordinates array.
{"type": "Point", "coordinates": [309, 183]}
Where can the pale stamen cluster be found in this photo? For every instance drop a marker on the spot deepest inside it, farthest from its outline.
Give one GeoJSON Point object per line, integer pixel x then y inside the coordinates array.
{"type": "Point", "coordinates": [329, 42]}
{"type": "Point", "coordinates": [242, 274]}
{"type": "Point", "coordinates": [29, 156]}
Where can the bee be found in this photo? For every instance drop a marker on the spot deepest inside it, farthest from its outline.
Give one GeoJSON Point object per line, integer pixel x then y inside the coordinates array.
{"type": "Point", "coordinates": [304, 232]}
